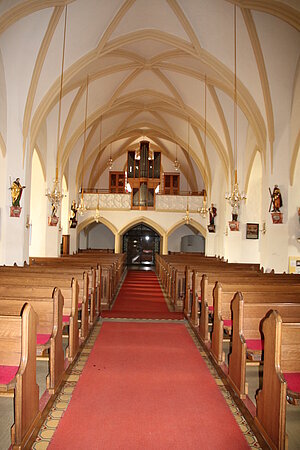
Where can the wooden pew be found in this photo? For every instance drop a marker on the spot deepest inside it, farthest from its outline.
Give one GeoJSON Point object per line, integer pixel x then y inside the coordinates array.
{"type": "Point", "coordinates": [222, 313]}
{"type": "Point", "coordinates": [54, 274]}
{"type": "Point", "coordinates": [104, 283]}
{"type": "Point", "coordinates": [281, 369]}
{"type": "Point", "coordinates": [246, 333]}
{"type": "Point", "coordinates": [18, 371]}
{"type": "Point", "coordinates": [36, 287]}
{"type": "Point", "coordinates": [49, 330]}
{"type": "Point", "coordinates": [236, 281]}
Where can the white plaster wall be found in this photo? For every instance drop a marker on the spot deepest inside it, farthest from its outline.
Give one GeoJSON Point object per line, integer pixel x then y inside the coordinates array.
{"type": "Point", "coordinates": [3, 211]}
{"type": "Point", "coordinates": [3, 100]}
{"type": "Point", "coordinates": [83, 243]}
{"type": "Point", "coordinates": [99, 236]}
{"type": "Point", "coordinates": [174, 240]}
{"type": "Point", "coordinates": [295, 114]}
{"type": "Point", "coordinates": [252, 213]}
{"type": "Point", "coordinates": [192, 243]}
{"type": "Point", "coordinates": [65, 208]}
{"type": "Point", "coordinates": [294, 204]}
{"type": "Point", "coordinates": [38, 209]}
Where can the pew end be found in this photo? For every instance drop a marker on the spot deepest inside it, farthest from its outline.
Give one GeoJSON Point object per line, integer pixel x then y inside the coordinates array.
{"type": "Point", "coordinates": [18, 334]}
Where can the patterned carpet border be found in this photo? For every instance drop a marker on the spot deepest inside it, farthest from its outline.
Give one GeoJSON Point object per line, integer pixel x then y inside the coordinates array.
{"type": "Point", "coordinates": [132, 319]}
{"type": "Point", "coordinates": [240, 419]}
{"type": "Point", "coordinates": [63, 399]}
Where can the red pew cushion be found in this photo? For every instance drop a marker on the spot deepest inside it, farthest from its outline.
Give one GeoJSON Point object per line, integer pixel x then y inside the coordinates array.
{"type": "Point", "coordinates": [293, 381]}
{"type": "Point", "coordinates": [227, 322]}
{"type": "Point", "coordinates": [255, 344]}
{"type": "Point", "coordinates": [42, 339]}
{"type": "Point", "coordinates": [210, 308]}
{"type": "Point", "coordinates": [66, 319]}
{"type": "Point", "coordinates": [7, 373]}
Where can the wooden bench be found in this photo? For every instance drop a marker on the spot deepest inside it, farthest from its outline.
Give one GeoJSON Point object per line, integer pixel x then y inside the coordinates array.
{"type": "Point", "coordinates": [281, 378]}
{"type": "Point", "coordinates": [53, 274]}
{"type": "Point", "coordinates": [36, 287]}
{"type": "Point", "coordinates": [49, 330]}
{"type": "Point", "coordinates": [18, 371]}
{"type": "Point", "coordinates": [236, 282]}
{"type": "Point", "coordinates": [247, 339]}
{"type": "Point", "coordinates": [102, 280]}
{"type": "Point", "coordinates": [222, 313]}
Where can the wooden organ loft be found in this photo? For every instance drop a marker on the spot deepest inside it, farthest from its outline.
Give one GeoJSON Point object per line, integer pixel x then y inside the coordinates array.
{"type": "Point", "coordinates": [144, 177]}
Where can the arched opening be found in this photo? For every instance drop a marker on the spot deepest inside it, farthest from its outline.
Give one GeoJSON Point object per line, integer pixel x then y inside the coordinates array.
{"type": "Point", "coordinates": [38, 208]}
{"type": "Point", "coordinates": [96, 236]}
{"type": "Point", "coordinates": [141, 242]}
{"type": "Point", "coordinates": [186, 238]}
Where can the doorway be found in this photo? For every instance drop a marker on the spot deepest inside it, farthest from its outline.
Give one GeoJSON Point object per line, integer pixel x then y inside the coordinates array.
{"type": "Point", "coordinates": [141, 243]}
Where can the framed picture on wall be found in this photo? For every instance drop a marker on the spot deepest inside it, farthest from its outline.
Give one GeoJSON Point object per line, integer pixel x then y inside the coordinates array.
{"type": "Point", "coordinates": [252, 231]}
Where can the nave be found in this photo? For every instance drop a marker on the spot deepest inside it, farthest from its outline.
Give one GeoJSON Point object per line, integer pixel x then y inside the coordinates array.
{"type": "Point", "coordinates": [146, 383]}
{"type": "Point", "coordinates": [129, 357]}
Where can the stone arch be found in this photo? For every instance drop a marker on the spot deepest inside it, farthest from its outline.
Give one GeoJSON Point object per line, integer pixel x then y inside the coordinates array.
{"type": "Point", "coordinates": [91, 219]}
{"type": "Point", "coordinates": [193, 223]}
{"type": "Point", "coordinates": [156, 227]}
{"type": "Point", "coordinates": [146, 221]}
{"type": "Point", "coordinates": [250, 167]}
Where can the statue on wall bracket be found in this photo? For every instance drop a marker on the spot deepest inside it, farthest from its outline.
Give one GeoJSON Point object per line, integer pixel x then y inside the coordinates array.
{"type": "Point", "coordinates": [212, 214]}
{"type": "Point", "coordinates": [234, 224]}
{"type": "Point", "coordinates": [276, 204]}
{"type": "Point", "coordinates": [53, 219]}
{"type": "Point", "coordinates": [16, 194]}
{"type": "Point", "coordinates": [73, 218]}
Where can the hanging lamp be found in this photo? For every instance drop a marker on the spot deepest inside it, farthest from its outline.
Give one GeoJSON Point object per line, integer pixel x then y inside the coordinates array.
{"type": "Point", "coordinates": [110, 161]}
{"type": "Point", "coordinates": [82, 207]}
{"type": "Point", "coordinates": [176, 162]}
{"type": "Point", "coordinates": [55, 195]}
{"type": "Point", "coordinates": [97, 212]}
{"type": "Point", "coordinates": [187, 218]}
{"type": "Point", "coordinates": [235, 197]}
{"type": "Point", "coordinates": [203, 211]}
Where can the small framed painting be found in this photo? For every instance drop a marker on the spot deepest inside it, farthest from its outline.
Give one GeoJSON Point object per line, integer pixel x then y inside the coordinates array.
{"type": "Point", "coordinates": [252, 231]}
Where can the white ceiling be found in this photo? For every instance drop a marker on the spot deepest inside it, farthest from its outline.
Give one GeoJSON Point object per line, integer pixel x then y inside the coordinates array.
{"type": "Point", "coordinates": [146, 61]}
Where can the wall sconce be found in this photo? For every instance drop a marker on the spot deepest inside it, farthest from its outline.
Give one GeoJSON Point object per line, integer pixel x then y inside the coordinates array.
{"type": "Point", "coordinates": [263, 229]}
{"type": "Point", "coordinates": [28, 224]}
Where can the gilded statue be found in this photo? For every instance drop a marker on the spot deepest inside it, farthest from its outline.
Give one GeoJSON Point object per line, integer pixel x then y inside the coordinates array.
{"type": "Point", "coordinates": [16, 192]}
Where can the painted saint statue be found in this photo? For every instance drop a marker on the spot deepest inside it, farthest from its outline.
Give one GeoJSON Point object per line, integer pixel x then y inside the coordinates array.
{"type": "Point", "coordinates": [276, 199]}
{"type": "Point", "coordinates": [16, 192]}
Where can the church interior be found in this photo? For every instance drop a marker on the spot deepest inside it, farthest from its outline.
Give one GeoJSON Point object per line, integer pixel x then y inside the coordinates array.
{"type": "Point", "coordinates": [150, 224]}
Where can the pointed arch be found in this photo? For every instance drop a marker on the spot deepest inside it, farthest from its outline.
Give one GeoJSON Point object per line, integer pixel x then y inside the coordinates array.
{"type": "Point", "coordinates": [39, 154]}
{"type": "Point", "coordinates": [256, 150]}
{"type": "Point", "coordinates": [2, 146]}
{"type": "Point", "coordinates": [91, 219]}
{"type": "Point", "coordinates": [294, 159]}
{"type": "Point", "coordinates": [146, 221]}
{"type": "Point", "coordinates": [194, 224]}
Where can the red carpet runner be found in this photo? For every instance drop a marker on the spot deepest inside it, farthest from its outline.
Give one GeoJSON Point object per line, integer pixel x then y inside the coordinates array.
{"type": "Point", "coordinates": [146, 386]}
{"type": "Point", "coordinates": [141, 297]}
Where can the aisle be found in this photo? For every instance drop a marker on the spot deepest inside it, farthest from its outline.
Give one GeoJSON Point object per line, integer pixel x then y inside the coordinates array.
{"type": "Point", "coordinates": [146, 386]}
{"type": "Point", "coordinates": [141, 297]}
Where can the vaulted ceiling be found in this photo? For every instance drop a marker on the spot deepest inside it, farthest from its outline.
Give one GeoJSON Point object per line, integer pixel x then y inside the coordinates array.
{"type": "Point", "coordinates": [146, 62]}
